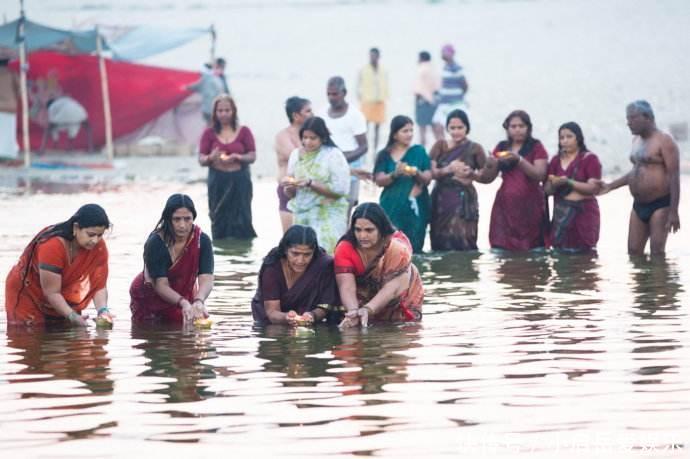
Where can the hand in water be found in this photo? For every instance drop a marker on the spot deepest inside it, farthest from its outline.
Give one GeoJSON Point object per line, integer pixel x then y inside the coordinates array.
{"type": "Point", "coordinates": [76, 319]}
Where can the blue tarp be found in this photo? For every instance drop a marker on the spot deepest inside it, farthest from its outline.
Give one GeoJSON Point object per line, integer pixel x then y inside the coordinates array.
{"type": "Point", "coordinates": [38, 36]}
{"type": "Point", "coordinates": [145, 41]}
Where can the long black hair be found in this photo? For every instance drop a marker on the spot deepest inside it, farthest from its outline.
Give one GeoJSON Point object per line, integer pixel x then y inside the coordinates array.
{"type": "Point", "coordinates": [164, 225]}
{"type": "Point", "coordinates": [461, 115]}
{"type": "Point", "coordinates": [575, 128]}
{"type": "Point", "coordinates": [530, 141]}
{"type": "Point", "coordinates": [87, 216]}
{"type": "Point", "coordinates": [317, 126]}
{"type": "Point", "coordinates": [397, 123]}
{"type": "Point", "coordinates": [376, 215]}
{"type": "Point", "coordinates": [295, 235]}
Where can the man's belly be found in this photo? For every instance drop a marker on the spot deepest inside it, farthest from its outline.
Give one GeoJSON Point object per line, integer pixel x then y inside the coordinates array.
{"type": "Point", "coordinates": [649, 182]}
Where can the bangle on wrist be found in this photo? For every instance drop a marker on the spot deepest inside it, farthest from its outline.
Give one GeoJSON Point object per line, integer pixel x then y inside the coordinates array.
{"type": "Point", "coordinates": [179, 301]}
{"type": "Point", "coordinates": [102, 310]}
{"type": "Point", "coordinates": [309, 182]}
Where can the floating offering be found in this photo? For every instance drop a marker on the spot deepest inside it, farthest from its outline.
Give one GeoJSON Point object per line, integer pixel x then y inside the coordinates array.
{"type": "Point", "coordinates": [224, 155]}
{"type": "Point", "coordinates": [203, 323]}
{"type": "Point", "coordinates": [503, 154]}
{"type": "Point", "coordinates": [104, 322]}
{"type": "Point", "coordinates": [289, 180]}
{"type": "Point", "coordinates": [410, 170]}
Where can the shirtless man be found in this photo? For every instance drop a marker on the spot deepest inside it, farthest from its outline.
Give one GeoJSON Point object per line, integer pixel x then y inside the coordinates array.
{"type": "Point", "coordinates": [654, 182]}
{"type": "Point", "coordinates": [297, 110]}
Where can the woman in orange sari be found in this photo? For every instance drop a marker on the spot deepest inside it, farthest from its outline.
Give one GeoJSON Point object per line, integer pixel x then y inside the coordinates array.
{"type": "Point", "coordinates": [61, 271]}
{"type": "Point", "coordinates": [374, 271]}
{"type": "Point", "coordinates": [178, 268]}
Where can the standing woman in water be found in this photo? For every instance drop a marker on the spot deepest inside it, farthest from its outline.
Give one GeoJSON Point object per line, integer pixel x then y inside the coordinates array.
{"type": "Point", "coordinates": [518, 217]}
{"type": "Point", "coordinates": [227, 149]}
{"type": "Point", "coordinates": [62, 270]}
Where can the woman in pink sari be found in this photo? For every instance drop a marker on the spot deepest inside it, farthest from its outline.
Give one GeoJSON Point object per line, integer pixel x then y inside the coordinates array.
{"type": "Point", "coordinates": [178, 268]}
{"type": "Point", "coordinates": [518, 217]}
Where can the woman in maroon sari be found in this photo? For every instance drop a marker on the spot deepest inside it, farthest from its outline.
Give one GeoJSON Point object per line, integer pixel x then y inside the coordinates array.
{"type": "Point", "coordinates": [574, 175]}
{"type": "Point", "coordinates": [178, 268]}
{"type": "Point", "coordinates": [296, 281]}
{"type": "Point", "coordinates": [518, 217]}
{"type": "Point", "coordinates": [455, 164]}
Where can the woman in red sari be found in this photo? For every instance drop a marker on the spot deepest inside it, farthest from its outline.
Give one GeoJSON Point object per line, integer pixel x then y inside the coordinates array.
{"type": "Point", "coordinates": [61, 271]}
{"type": "Point", "coordinates": [178, 268]}
{"type": "Point", "coordinates": [296, 281]}
{"type": "Point", "coordinates": [574, 177]}
{"type": "Point", "coordinates": [518, 217]}
{"type": "Point", "coordinates": [374, 271]}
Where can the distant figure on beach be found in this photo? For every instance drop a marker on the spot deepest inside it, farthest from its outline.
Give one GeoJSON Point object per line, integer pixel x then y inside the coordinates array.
{"type": "Point", "coordinates": [372, 91]}
{"type": "Point", "coordinates": [209, 86]}
{"type": "Point", "coordinates": [348, 129]}
{"type": "Point", "coordinates": [455, 164]}
{"type": "Point", "coordinates": [373, 268]}
{"type": "Point", "coordinates": [62, 270]}
{"type": "Point", "coordinates": [403, 169]}
{"type": "Point", "coordinates": [451, 95]}
{"type": "Point", "coordinates": [9, 103]}
{"type": "Point", "coordinates": [297, 110]}
{"type": "Point", "coordinates": [219, 70]}
{"type": "Point", "coordinates": [227, 149]}
{"type": "Point", "coordinates": [317, 183]}
{"type": "Point", "coordinates": [518, 216]}
{"type": "Point", "coordinates": [178, 268]}
{"type": "Point", "coordinates": [654, 182]}
{"type": "Point", "coordinates": [296, 281]}
{"type": "Point", "coordinates": [574, 176]}
{"type": "Point", "coordinates": [426, 86]}
{"type": "Point", "coordinates": [68, 115]}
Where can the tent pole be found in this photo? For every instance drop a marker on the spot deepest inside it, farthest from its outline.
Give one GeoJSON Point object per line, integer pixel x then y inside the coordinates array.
{"type": "Point", "coordinates": [106, 98]}
{"type": "Point", "coordinates": [213, 43]}
{"type": "Point", "coordinates": [24, 93]}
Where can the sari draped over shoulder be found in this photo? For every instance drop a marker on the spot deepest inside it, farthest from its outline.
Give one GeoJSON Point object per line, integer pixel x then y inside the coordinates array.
{"type": "Point", "coordinates": [518, 216]}
{"type": "Point", "coordinates": [394, 260]}
{"type": "Point", "coordinates": [409, 214]}
{"type": "Point", "coordinates": [82, 278]}
{"type": "Point", "coordinates": [145, 303]}
{"type": "Point", "coordinates": [575, 224]}
{"type": "Point", "coordinates": [454, 205]}
{"type": "Point", "coordinates": [328, 216]}
{"type": "Point", "coordinates": [316, 288]}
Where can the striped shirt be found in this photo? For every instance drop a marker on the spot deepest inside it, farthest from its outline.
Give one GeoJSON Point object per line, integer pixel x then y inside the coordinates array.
{"type": "Point", "coordinates": [452, 84]}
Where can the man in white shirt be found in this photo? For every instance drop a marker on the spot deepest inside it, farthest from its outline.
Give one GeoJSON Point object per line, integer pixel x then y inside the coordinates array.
{"type": "Point", "coordinates": [348, 129]}
{"type": "Point", "coordinates": [66, 114]}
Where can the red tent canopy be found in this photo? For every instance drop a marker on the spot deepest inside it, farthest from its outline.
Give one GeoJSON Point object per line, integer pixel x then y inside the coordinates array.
{"type": "Point", "coordinates": [138, 93]}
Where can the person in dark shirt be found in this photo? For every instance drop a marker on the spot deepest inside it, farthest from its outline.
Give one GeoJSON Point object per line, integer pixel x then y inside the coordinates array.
{"type": "Point", "coordinates": [178, 268]}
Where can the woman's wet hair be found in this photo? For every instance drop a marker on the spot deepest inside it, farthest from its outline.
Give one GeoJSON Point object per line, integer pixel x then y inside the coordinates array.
{"type": "Point", "coordinates": [375, 214]}
{"type": "Point", "coordinates": [397, 123]}
{"type": "Point", "coordinates": [575, 128]}
{"type": "Point", "coordinates": [294, 105]}
{"type": "Point", "coordinates": [234, 120]}
{"type": "Point", "coordinates": [295, 235]}
{"type": "Point", "coordinates": [461, 115]}
{"type": "Point", "coordinates": [87, 216]}
{"type": "Point", "coordinates": [317, 126]}
{"type": "Point", "coordinates": [174, 202]}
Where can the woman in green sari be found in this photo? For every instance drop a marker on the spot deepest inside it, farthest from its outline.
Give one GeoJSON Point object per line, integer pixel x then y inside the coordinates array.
{"type": "Point", "coordinates": [404, 171]}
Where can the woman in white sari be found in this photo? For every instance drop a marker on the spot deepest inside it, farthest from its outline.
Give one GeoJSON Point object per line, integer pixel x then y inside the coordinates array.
{"type": "Point", "coordinates": [318, 181]}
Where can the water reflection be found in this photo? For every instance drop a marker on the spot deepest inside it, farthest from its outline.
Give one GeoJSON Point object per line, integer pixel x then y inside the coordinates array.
{"type": "Point", "coordinates": [177, 354]}
{"type": "Point", "coordinates": [659, 329]}
{"type": "Point", "coordinates": [63, 354]}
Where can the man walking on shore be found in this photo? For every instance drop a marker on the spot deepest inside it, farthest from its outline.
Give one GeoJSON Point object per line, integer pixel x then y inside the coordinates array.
{"type": "Point", "coordinates": [372, 90]}
{"type": "Point", "coordinates": [452, 92]}
{"type": "Point", "coordinates": [654, 182]}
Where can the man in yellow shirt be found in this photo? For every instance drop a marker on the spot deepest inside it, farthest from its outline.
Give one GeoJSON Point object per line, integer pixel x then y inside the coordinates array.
{"type": "Point", "coordinates": [372, 90]}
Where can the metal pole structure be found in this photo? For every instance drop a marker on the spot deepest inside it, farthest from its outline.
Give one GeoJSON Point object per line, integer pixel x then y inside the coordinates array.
{"type": "Point", "coordinates": [21, 37]}
{"type": "Point", "coordinates": [106, 98]}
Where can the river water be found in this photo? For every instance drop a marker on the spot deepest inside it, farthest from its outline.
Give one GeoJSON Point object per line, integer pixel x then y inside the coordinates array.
{"type": "Point", "coordinates": [517, 355]}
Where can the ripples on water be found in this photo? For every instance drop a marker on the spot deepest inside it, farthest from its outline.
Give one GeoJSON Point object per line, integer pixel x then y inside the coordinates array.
{"type": "Point", "coordinates": [517, 354]}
